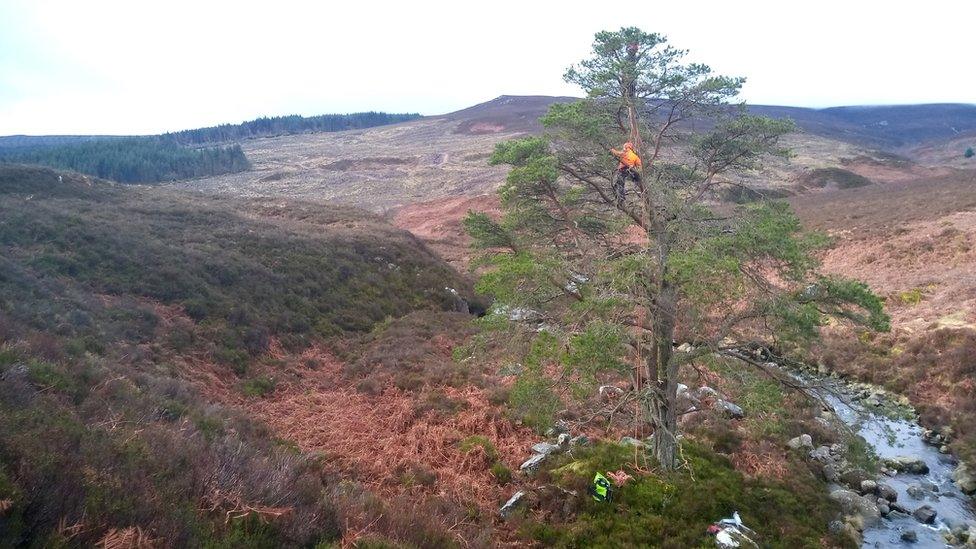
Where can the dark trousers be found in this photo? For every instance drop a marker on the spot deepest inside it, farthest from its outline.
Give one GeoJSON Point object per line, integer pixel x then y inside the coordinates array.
{"type": "Point", "coordinates": [620, 180]}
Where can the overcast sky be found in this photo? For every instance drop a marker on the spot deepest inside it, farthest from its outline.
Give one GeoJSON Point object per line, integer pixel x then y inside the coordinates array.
{"type": "Point", "coordinates": [133, 67]}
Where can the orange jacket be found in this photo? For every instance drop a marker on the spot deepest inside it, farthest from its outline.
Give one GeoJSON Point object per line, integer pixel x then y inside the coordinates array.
{"type": "Point", "coordinates": [628, 158]}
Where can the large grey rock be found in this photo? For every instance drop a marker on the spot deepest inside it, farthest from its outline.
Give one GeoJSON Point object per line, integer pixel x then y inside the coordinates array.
{"type": "Point", "coordinates": [916, 491]}
{"type": "Point", "coordinates": [961, 533]}
{"type": "Point", "coordinates": [821, 454]}
{"type": "Point", "coordinates": [970, 537]}
{"type": "Point", "coordinates": [731, 410]}
{"type": "Point", "coordinates": [899, 508]}
{"type": "Point", "coordinates": [965, 479]}
{"type": "Point", "coordinates": [800, 442]}
{"type": "Point", "coordinates": [924, 514]}
{"type": "Point", "coordinates": [854, 476]}
{"type": "Point", "coordinates": [831, 472]}
{"type": "Point", "coordinates": [563, 440]}
{"type": "Point", "coordinates": [706, 392]}
{"type": "Point", "coordinates": [908, 464]}
{"type": "Point", "coordinates": [532, 463]}
{"type": "Point", "coordinates": [631, 441]}
{"type": "Point", "coordinates": [909, 536]}
{"type": "Point", "coordinates": [686, 398]}
{"type": "Point", "coordinates": [513, 503]}
{"type": "Point", "coordinates": [545, 448]}
{"type": "Point", "coordinates": [579, 440]}
{"type": "Point", "coordinates": [887, 492]}
{"type": "Point", "coordinates": [869, 487]}
{"type": "Point", "coordinates": [860, 507]}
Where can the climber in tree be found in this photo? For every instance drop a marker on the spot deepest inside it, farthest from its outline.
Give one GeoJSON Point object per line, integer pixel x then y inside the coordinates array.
{"type": "Point", "coordinates": [628, 168]}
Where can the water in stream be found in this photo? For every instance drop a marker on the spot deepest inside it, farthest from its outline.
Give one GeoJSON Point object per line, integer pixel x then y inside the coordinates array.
{"type": "Point", "coordinates": [892, 438]}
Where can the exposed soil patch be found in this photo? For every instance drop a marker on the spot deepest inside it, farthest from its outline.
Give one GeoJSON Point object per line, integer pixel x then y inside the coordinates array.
{"type": "Point", "coordinates": [438, 223]}
{"type": "Point", "coordinates": [480, 127]}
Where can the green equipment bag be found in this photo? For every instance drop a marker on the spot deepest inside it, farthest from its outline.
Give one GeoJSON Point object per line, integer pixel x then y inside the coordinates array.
{"type": "Point", "coordinates": [601, 489]}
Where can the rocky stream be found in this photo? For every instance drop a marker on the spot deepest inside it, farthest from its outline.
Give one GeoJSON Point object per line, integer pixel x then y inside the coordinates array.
{"type": "Point", "coordinates": [923, 496]}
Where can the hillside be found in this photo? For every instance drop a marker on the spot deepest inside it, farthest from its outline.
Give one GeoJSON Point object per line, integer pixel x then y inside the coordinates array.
{"type": "Point", "coordinates": [135, 326]}
{"type": "Point", "coordinates": [947, 152]}
{"type": "Point", "coordinates": [885, 127]}
{"type": "Point", "coordinates": [915, 244]}
{"type": "Point", "coordinates": [440, 157]}
{"type": "Point", "coordinates": [238, 361]}
{"type": "Point", "coordinates": [178, 370]}
{"type": "Point", "coordinates": [378, 169]}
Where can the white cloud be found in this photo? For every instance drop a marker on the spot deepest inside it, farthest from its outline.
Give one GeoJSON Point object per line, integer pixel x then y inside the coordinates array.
{"type": "Point", "coordinates": [110, 66]}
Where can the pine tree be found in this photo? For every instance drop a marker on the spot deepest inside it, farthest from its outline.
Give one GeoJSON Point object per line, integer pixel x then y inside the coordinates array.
{"type": "Point", "coordinates": [969, 153]}
{"type": "Point", "coordinates": [611, 286]}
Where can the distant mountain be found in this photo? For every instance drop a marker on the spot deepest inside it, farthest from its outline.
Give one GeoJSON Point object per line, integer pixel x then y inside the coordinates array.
{"type": "Point", "coordinates": [887, 127]}
{"type": "Point", "coordinates": [508, 113]}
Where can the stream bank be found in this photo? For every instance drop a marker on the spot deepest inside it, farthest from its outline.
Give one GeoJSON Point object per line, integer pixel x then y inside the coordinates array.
{"type": "Point", "coordinates": [917, 500]}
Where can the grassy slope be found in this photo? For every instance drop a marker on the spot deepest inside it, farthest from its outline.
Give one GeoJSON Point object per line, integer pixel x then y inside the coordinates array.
{"type": "Point", "coordinates": [915, 244]}
{"type": "Point", "coordinates": [99, 430]}
{"type": "Point", "coordinates": [103, 289]}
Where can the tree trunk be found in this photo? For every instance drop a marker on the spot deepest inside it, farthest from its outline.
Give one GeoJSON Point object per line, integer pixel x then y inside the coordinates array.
{"type": "Point", "coordinates": [664, 394]}
{"type": "Point", "coordinates": [662, 372]}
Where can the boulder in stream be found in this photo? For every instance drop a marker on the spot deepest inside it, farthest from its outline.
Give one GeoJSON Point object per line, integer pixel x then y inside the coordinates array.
{"type": "Point", "coordinates": [908, 464]}
{"type": "Point", "coordinates": [887, 492]}
{"type": "Point", "coordinates": [909, 536]}
{"type": "Point", "coordinates": [925, 514]}
{"type": "Point", "coordinates": [916, 491]}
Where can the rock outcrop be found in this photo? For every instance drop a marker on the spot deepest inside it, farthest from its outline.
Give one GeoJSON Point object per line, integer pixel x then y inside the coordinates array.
{"type": "Point", "coordinates": [908, 464]}
{"type": "Point", "coordinates": [924, 514]}
{"type": "Point", "coordinates": [859, 511]}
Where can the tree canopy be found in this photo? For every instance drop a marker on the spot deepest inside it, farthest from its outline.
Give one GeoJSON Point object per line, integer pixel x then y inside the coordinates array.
{"type": "Point", "coordinates": [611, 285]}
{"type": "Point", "coordinates": [133, 159]}
{"type": "Point", "coordinates": [287, 125]}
